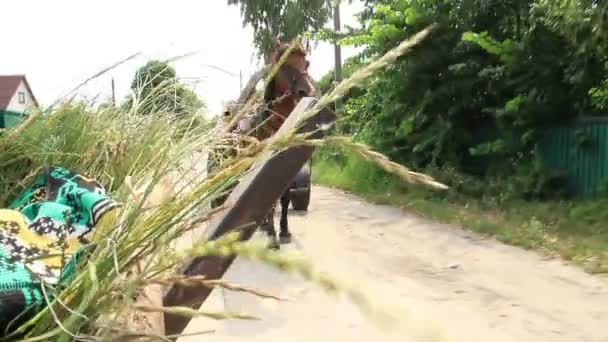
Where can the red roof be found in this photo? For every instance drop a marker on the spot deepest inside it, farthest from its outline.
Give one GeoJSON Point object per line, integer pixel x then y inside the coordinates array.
{"type": "Point", "coordinates": [8, 87]}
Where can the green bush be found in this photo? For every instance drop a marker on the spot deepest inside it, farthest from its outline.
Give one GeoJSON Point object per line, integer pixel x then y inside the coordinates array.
{"type": "Point", "coordinates": [473, 98]}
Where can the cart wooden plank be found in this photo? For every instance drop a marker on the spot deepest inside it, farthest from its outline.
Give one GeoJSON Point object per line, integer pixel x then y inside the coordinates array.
{"type": "Point", "coordinates": [247, 206]}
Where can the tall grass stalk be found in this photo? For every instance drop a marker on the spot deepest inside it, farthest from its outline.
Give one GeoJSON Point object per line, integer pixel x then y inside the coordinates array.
{"type": "Point", "coordinates": [153, 165]}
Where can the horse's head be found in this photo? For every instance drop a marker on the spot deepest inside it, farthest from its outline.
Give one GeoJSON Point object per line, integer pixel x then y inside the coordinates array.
{"type": "Point", "coordinates": [288, 86]}
{"type": "Point", "coordinates": [291, 80]}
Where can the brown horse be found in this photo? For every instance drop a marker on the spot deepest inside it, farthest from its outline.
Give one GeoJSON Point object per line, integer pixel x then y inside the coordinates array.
{"type": "Point", "coordinates": [290, 84]}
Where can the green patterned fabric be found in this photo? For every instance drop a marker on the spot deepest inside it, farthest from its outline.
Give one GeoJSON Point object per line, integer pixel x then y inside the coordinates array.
{"type": "Point", "coordinates": [43, 235]}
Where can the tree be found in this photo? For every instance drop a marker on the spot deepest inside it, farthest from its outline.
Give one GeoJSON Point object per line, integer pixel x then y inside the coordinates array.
{"type": "Point", "coordinates": [153, 75]}
{"type": "Point", "coordinates": [287, 18]}
{"type": "Point", "coordinates": [187, 100]}
{"type": "Point", "coordinates": [157, 90]}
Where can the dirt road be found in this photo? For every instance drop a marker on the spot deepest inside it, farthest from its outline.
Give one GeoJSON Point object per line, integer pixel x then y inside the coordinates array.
{"type": "Point", "coordinates": [449, 281]}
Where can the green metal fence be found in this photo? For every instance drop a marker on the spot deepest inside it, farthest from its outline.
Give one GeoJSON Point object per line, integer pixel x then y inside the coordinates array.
{"type": "Point", "coordinates": [580, 149]}
{"type": "Point", "coordinates": [9, 119]}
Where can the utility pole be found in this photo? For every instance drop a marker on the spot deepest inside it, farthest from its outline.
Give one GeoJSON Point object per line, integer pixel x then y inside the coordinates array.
{"type": "Point", "coordinates": [113, 93]}
{"type": "Point", "coordinates": [241, 80]}
{"type": "Point", "coordinates": [337, 53]}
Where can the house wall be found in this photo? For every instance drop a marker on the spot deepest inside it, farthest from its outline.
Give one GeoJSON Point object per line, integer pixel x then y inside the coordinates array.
{"type": "Point", "coordinates": [14, 104]}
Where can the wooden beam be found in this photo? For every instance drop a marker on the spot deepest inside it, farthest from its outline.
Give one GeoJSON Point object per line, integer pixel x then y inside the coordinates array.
{"type": "Point", "coordinates": [247, 205]}
{"type": "Point", "coordinates": [246, 94]}
{"type": "Point", "coordinates": [251, 84]}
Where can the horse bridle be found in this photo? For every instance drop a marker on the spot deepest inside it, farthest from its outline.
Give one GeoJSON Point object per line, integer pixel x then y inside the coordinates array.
{"type": "Point", "coordinates": [271, 99]}
{"type": "Point", "coordinates": [293, 74]}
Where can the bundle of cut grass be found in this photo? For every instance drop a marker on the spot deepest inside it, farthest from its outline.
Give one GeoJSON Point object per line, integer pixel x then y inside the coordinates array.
{"type": "Point", "coordinates": [153, 166]}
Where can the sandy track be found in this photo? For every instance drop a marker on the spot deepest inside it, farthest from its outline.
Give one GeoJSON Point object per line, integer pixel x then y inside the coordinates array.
{"type": "Point", "coordinates": [465, 287]}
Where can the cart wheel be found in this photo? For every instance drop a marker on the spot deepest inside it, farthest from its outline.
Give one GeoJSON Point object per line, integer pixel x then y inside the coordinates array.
{"type": "Point", "coordinates": [300, 191]}
{"type": "Point", "coordinates": [300, 200]}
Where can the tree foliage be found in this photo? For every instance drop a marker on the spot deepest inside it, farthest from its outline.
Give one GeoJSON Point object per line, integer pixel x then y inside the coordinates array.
{"type": "Point", "coordinates": [583, 22]}
{"type": "Point", "coordinates": [153, 75]}
{"type": "Point", "coordinates": [477, 93]}
{"type": "Point", "coordinates": [285, 18]}
{"type": "Point", "coordinates": [157, 89]}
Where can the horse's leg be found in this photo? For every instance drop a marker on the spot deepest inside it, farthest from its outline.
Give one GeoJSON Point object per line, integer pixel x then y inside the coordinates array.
{"type": "Point", "coordinates": [285, 235]}
{"type": "Point", "coordinates": [268, 228]}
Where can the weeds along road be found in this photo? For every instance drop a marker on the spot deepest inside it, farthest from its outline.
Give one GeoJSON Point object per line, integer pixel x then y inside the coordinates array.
{"type": "Point", "coordinates": [439, 279]}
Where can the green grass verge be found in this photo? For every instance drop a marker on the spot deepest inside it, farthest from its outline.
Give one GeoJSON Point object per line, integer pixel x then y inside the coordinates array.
{"type": "Point", "coordinates": [576, 231]}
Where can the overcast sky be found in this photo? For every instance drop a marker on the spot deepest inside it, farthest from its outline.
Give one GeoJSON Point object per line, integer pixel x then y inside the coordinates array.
{"type": "Point", "coordinates": [60, 43]}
